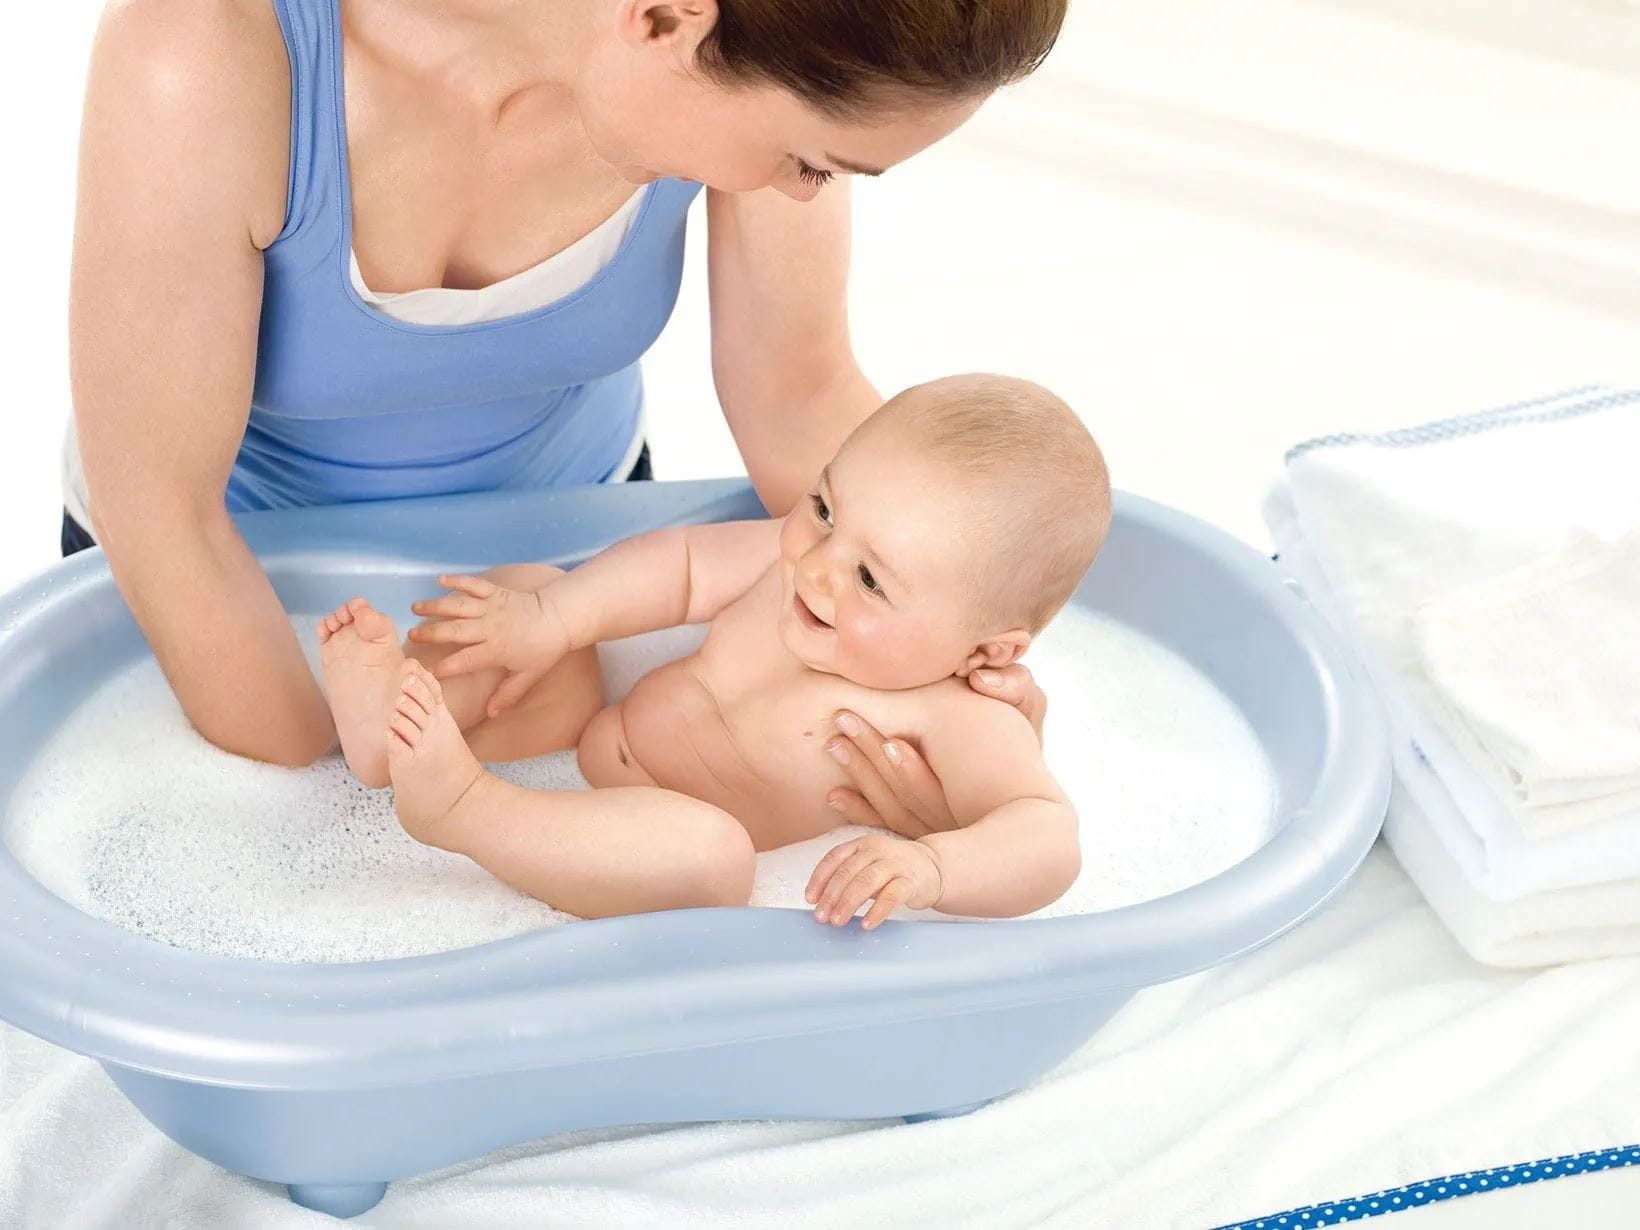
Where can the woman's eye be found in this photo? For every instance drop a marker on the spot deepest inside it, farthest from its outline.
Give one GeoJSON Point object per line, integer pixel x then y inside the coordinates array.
{"type": "Point", "coordinates": [820, 509]}
{"type": "Point", "coordinates": [812, 175]}
{"type": "Point", "coordinates": [869, 581]}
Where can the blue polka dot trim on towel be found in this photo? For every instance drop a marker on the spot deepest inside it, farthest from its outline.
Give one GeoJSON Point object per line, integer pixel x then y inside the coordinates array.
{"type": "Point", "coordinates": [1445, 1188]}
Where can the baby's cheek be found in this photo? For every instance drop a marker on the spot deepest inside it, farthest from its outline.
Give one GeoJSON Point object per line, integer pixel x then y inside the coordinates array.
{"type": "Point", "coordinates": [791, 535]}
{"type": "Point", "coordinates": [876, 644]}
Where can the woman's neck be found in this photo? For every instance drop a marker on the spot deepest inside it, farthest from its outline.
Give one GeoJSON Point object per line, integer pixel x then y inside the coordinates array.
{"type": "Point", "coordinates": [493, 53]}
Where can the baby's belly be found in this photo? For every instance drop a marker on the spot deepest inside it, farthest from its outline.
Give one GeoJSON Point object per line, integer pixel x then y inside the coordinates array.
{"type": "Point", "coordinates": [671, 733]}
{"type": "Point", "coordinates": [604, 756]}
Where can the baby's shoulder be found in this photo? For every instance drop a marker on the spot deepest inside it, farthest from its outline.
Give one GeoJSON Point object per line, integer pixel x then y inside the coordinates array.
{"type": "Point", "coordinates": [953, 708]}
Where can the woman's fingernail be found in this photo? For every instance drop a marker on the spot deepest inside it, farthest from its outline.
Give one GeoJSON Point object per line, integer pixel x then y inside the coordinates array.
{"type": "Point", "coordinates": [990, 679]}
{"type": "Point", "coordinates": [835, 804]}
{"type": "Point", "coordinates": [839, 751]}
{"type": "Point", "coordinates": [847, 724]}
{"type": "Point", "coordinates": [892, 752]}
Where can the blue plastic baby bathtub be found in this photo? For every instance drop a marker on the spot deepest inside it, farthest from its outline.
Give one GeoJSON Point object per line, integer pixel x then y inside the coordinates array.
{"type": "Point", "coordinates": [335, 1079]}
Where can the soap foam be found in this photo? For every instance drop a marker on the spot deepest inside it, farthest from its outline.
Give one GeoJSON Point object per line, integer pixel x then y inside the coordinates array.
{"type": "Point", "coordinates": [131, 816]}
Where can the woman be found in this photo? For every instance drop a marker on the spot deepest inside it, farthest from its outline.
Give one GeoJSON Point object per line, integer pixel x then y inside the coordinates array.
{"type": "Point", "coordinates": [333, 251]}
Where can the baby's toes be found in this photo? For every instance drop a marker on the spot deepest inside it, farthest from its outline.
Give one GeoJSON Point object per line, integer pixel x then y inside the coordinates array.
{"type": "Point", "coordinates": [429, 683]}
{"type": "Point", "coordinates": [401, 729]}
{"type": "Point", "coordinates": [415, 690]}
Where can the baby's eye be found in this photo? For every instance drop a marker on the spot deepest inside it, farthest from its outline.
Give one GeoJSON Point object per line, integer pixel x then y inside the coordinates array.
{"type": "Point", "coordinates": [820, 509]}
{"type": "Point", "coordinates": [869, 581]}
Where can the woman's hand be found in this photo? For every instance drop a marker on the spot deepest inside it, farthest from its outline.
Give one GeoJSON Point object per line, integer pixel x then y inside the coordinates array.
{"type": "Point", "coordinates": [894, 787]}
{"type": "Point", "coordinates": [516, 630]}
{"type": "Point", "coordinates": [894, 872]}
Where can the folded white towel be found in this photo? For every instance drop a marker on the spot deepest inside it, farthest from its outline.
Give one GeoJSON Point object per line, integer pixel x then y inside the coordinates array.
{"type": "Point", "coordinates": [1542, 665]}
{"type": "Point", "coordinates": [1476, 831]}
{"type": "Point", "coordinates": [1570, 924]}
{"type": "Point", "coordinates": [1407, 519]}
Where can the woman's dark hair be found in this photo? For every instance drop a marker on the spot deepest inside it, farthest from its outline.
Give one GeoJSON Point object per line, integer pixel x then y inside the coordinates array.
{"type": "Point", "coordinates": [847, 58]}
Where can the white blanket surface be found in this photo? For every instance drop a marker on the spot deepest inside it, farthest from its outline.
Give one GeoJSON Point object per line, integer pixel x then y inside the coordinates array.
{"type": "Point", "coordinates": [1361, 1051]}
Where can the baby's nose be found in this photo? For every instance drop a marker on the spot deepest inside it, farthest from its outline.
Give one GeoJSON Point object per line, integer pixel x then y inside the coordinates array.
{"type": "Point", "coordinates": [819, 576]}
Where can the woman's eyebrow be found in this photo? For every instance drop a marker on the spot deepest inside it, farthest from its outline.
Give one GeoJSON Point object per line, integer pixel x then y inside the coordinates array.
{"type": "Point", "coordinates": [853, 168]}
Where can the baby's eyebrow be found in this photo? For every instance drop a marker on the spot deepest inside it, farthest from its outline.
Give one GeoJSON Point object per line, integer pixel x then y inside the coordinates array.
{"type": "Point", "coordinates": [877, 560]}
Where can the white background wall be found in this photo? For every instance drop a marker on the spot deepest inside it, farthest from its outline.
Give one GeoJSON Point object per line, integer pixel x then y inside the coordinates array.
{"type": "Point", "coordinates": [1216, 226]}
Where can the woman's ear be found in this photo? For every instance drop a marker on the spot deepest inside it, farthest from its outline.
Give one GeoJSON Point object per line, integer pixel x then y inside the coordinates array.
{"type": "Point", "coordinates": [1000, 650]}
{"type": "Point", "coordinates": [657, 23]}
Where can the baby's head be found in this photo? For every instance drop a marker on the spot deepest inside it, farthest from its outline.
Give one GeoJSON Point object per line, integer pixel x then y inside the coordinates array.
{"type": "Point", "coordinates": [945, 533]}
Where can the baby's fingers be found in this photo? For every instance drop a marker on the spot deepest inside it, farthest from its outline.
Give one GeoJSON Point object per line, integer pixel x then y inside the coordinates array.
{"type": "Point", "coordinates": [461, 662]}
{"type": "Point", "coordinates": [824, 868]}
{"type": "Point", "coordinates": [449, 606]}
{"type": "Point", "coordinates": [892, 896]}
{"type": "Point", "coordinates": [448, 632]}
{"type": "Point", "coordinates": [478, 587]}
{"type": "Point", "coordinates": [866, 884]}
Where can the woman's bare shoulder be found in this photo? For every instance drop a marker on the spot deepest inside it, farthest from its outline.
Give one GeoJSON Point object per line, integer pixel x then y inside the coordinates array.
{"type": "Point", "coordinates": [211, 76]}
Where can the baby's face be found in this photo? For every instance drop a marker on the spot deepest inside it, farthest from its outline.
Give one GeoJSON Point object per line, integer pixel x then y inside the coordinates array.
{"type": "Point", "coordinates": [877, 586]}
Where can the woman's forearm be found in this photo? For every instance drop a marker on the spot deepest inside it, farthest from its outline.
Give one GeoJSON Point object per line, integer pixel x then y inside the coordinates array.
{"type": "Point", "coordinates": [219, 633]}
{"type": "Point", "coordinates": [787, 436]}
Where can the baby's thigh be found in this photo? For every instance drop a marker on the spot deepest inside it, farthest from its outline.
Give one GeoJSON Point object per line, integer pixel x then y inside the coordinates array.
{"type": "Point", "coordinates": [550, 717]}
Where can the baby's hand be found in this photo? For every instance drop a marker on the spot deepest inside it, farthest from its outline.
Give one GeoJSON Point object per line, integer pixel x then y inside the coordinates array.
{"type": "Point", "coordinates": [510, 628]}
{"type": "Point", "coordinates": [894, 871]}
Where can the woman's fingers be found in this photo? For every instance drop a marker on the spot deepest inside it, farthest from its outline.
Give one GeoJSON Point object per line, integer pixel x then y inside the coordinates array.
{"type": "Point", "coordinates": [871, 783]}
{"type": "Point", "coordinates": [895, 780]}
{"type": "Point", "coordinates": [1015, 685]}
{"type": "Point", "coordinates": [852, 808]}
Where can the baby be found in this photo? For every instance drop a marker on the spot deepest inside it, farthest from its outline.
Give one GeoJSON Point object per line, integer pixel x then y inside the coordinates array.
{"type": "Point", "coordinates": [945, 533]}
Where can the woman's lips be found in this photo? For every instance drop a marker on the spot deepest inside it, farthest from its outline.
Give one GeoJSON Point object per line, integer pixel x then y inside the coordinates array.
{"type": "Point", "coordinates": [807, 617]}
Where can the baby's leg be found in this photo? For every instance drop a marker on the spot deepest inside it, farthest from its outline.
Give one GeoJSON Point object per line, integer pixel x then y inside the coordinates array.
{"type": "Point", "coordinates": [361, 655]}
{"type": "Point", "coordinates": [594, 853]}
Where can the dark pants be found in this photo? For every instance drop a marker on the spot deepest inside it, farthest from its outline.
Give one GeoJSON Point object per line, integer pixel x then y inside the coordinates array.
{"type": "Point", "coordinates": [75, 537]}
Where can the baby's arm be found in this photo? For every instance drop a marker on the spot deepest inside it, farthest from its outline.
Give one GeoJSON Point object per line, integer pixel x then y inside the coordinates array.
{"type": "Point", "coordinates": [1016, 848]}
{"type": "Point", "coordinates": [641, 584]}
{"type": "Point", "coordinates": [661, 579]}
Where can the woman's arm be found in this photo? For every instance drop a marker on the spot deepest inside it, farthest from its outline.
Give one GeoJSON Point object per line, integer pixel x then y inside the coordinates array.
{"type": "Point", "coordinates": [183, 154]}
{"type": "Point", "coordinates": [781, 358]}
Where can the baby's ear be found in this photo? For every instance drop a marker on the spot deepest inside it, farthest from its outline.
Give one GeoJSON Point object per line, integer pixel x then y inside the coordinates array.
{"type": "Point", "coordinates": [1000, 650]}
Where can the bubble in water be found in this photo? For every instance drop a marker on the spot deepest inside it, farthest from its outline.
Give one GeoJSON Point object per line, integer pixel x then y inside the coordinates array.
{"type": "Point", "coordinates": [129, 815]}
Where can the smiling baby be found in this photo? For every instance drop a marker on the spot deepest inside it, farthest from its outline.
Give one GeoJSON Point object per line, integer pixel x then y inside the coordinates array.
{"type": "Point", "coordinates": [946, 532]}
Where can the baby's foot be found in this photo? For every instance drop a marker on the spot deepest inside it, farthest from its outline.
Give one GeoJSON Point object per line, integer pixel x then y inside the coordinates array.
{"type": "Point", "coordinates": [437, 781]}
{"type": "Point", "coordinates": [359, 648]}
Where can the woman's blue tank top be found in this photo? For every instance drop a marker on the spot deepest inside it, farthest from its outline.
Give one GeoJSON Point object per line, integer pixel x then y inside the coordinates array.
{"type": "Point", "coordinates": [350, 404]}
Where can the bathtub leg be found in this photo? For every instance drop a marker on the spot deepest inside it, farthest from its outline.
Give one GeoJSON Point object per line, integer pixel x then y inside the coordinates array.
{"type": "Point", "coordinates": [950, 1112]}
{"type": "Point", "coordinates": [338, 1199]}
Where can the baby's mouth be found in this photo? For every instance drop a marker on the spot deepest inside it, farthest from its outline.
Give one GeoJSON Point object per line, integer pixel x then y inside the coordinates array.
{"type": "Point", "coordinates": [807, 617]}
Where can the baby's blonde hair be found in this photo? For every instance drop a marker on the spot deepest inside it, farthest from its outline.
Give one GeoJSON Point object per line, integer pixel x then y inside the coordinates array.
{"type": "Point", "coordinates": [1041, 492]}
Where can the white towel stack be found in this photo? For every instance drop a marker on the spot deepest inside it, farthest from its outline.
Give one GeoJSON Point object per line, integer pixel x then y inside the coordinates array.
{"type": "Point", "coordinates": [1487, 570]}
